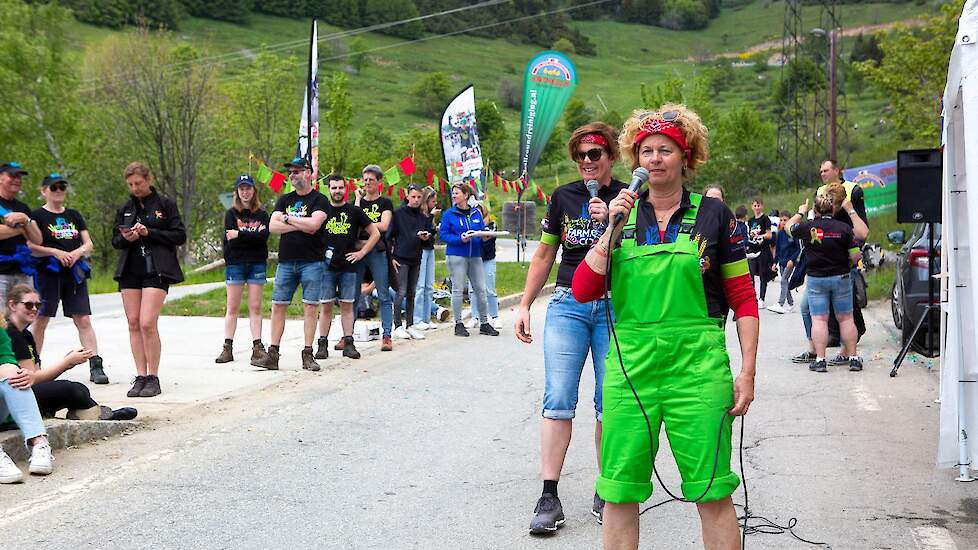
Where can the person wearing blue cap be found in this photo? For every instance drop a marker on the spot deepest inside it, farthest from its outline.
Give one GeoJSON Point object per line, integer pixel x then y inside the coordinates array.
{"type": "Point", "coordinates": [16, 229]}
{"type": "Point", "coordinates": [245, 262]}
{"type": "Point", "coordinates": [63, 270]}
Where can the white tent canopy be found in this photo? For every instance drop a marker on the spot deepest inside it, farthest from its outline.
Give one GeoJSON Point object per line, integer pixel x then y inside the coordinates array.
{"type": "Point", "coordinates": [959, 297]}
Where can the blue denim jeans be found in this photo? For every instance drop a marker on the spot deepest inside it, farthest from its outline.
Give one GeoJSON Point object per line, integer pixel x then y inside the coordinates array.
{"type": "Point", "coordinates": [806, 314]}
{"type": "Point", "coordinates": [572, 330]}
{"type": "Point", "coordinates": [834, 291]}
{"type": "Point", "coordinates": [22, 407]}
{"type": "Point", "coordinates": [423, 295]}
{"type": "Point", "coordinates": [290, 275]}
{"type": "Point", "coordinates": [491, 298]}
{"type": "Point", "coordinates": [376, 261]}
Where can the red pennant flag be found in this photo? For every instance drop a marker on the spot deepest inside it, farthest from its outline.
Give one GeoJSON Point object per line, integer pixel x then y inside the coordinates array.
{"type": "Point", "coordinates": [346, 194]}
{"type": "Point", "coordinates": [505, 187]}
{"type": "Point", "coordinates": [541, 195]}
{"type": "Point", "coordinates": [380, 188]}
{"type": "Point", "coordinates": [276, 182]}
{"type": "Point", "coordinates": [431, 175]}
{"type": "Point", "coordinates": [441, 184]}
{"type": "Point", "coordinates": [407, 165]}
{"type": "Point", "coordinates": [495, 179]}
{"type": "Point", "coordinates": [400, 193]}
{"type": "Point", "coordinates": [390, 190]}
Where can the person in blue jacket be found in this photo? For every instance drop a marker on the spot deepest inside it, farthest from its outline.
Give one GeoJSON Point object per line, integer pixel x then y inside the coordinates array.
{"type": "Point", "coordinates": [786, 256]}
{"type": "Point", "coordinates": [463, 254]}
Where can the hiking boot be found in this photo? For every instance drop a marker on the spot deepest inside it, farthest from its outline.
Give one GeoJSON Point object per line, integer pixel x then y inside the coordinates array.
{"type": "Point", "coordinates": [597, 509]}
{"type": "Point", "coordinates": [839, 359]}
{"type": "Point", "coordinates": [269, 361]}
{"type": "Point", "coordinates": [548, 515]}
{"type": "Point", "coordinates": [387, 345]}
{"type": "Point", "coordinates": [96, 373]}
{"type": "Point", "coordinates": [41, 462]}
{"type": "Point", "coordinates": [308, 363]}
{"type": "Point", "coordinates": [152, 387]}
{"type": "Point", "coordinates": [487, 329]}
{"type": "Point", "coordinates": [137, 386]}
{"type": "Point", "coordinates": [257, 354]}
{"type": "Point", "coordinates": [322, 348]}
{"type": "Point", "coordinates": [339, 344]}
{"type": "Point", "coordinates": [460, 330]}
{"type": "Point", "coordinates": [855, 363]}
{"type": "Point", "coordinates": [349, 350]}
{"type": "Point", "coordinates": [804, 357]}
{"type": "Point", "coordinates": [226, 356]}
{"type": "Point", "coordinates": [9, 472]}
{"type": "Point", "coordinates": [818, 366]}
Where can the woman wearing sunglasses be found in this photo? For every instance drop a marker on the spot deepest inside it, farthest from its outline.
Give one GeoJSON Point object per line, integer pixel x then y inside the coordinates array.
{"type": "Point", "coordinates": [52, 394]}
{"type": "Point", "coordinates": [573, 223]}
{"type": "Point", "coordinates": [677, 266]}
{"type": "Point", "coordinates": [63, 271]}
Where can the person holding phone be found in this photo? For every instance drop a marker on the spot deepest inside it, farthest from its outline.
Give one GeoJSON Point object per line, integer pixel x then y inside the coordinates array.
{"type": "Point", "coordinates": [148, 230]}
{"type": "Point", "coordinates": [409, 229]}
{"type": "Point", "coordinates": [424, 293]}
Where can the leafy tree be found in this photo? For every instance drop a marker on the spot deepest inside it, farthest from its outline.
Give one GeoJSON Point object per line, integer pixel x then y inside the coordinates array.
{"type": "Point", "coordinates": [743, 151]}
{"type": "Point", "coordinates": [492, 131]}
{"type": "Point", "coordinates": [282, 7]}
{"type": "Point", "coordinates": [510, 93]}
{"type": "Point", "coordinates": [342, 13]}
{"type": "Point", "coordinates": [358, 51]}
{"type": "Point", "coordinates": [374, 12]}
{"type": "Point", "coordinates": [236, 11]}
{"type": "Point", "coordinates": [374, 145]}
{"type": "Point", "coordinates": [433, 93]}
{"type": "Point", "coordinates": [262, 122]}
{"type": "Point", "coordinates": [576, 114]}
{"type": "Point", "coordinates": [564, 45]}
{"type": "Point", "coordinates": [685, 15]}
{"type": "Point", "coordinates": [642, 11]}
{"type": "Point", "coordinates": [867, 49]}
{"type": "Point", "coordinates": [339, 116]}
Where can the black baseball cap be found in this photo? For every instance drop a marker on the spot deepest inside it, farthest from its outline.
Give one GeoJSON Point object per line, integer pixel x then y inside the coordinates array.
{"type": "Point", "coordinates": [299, 162]}
{"type": "Point", "coordinates": [13, 168]}
{"type": "Point", "coordinates": [53, 178]}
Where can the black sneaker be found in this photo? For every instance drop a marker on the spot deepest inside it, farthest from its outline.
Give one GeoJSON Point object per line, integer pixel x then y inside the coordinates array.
{"type": "Point", "coordinates": [460, 330]}
{"type": "Point", "coordinates": [308, 363]}
{"type": "Point", "coordinates": [597, 509]}
{"type": "Point", "coordinates": [839, 359]}
{"type": "Point", "coordinates": [548, 515]}
{"type": "Point", "coordinates": [818, 366]}
{"type": "Point", "coordinates": [152, 387]}
{"type": "Point", "coordinates": [137, 386]}
{"type": "Point", "coordinates": [804, 357]}
{"type": "Point", "coordinates": [855, 363]}
{"type": "Point", "coordinates": [125, 413]}
{"type": "Point", "coordinates": [486, 328]}
{"type": "Point", "coordinates": [96, 373]}
{"type": "Point", "coordinates": [349, 350]}
{"type": "Point", "coordinates": [322, 348]}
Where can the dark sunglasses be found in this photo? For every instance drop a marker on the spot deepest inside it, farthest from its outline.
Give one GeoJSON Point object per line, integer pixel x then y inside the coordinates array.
{"type": "Point", "coordinates": [58, 187]}
{"type": "Point", "coordinates": [594, 155]}
{"type": "Point", "coordinates": [31, 306]}
{"type": "Point", "coordinates": [668, 116]}
{"type": "Point", "coordinates": [294, 172]}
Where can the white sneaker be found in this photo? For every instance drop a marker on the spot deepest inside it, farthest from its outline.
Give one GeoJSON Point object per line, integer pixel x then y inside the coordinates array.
{"type": "Point", "coordinates": [472, 322]}
{"type": "Point", "coordinates": [788, 308]}
{"type": "Point", "coordinates": [776, 308]}
{"type": "Point", "coordinates": [9, 472]}
{"type": "Point", "coordinates": [432, 325]}
{"type": "Point", "coordinates": [41, 462]}
{"type": "Point", "coordinates": [496, 323]}
{"type": "Point", "coordinates": [399, 332]}
{"type": "Point", "coordinates": [760, 304]}
{"type": "Point", "coordinates": [421, 326]}
{"type": "Point", "coordinates": [414, 333]}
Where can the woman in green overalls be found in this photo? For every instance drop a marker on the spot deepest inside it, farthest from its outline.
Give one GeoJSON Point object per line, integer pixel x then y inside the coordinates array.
{"type": "Point", "coordinates": [677, 266]}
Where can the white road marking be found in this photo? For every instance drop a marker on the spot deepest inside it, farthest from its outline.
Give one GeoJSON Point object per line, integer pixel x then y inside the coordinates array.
{"type": "Point", "coordinates": [865, 400]}
{"type": "Point", "coordinates": [932, 538]}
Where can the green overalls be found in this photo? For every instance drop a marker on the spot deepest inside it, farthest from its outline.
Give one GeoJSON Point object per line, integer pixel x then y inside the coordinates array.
{"type": "Point", "coordinates": [676, 358]}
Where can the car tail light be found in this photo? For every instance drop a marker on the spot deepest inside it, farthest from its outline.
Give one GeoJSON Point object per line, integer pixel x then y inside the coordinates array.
{"type": "Point", "coordinates": [918, 258]}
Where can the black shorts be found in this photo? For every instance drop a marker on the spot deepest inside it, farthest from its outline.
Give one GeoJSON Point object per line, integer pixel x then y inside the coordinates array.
{"type": "Point", "coordinates": [130, 281]}
{"type": "Point", "coordinates": [61, 287]}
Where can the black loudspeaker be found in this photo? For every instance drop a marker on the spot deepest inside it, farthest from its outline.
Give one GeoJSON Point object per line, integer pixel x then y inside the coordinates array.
{"type": "Point", "coordinates": [919, 175]}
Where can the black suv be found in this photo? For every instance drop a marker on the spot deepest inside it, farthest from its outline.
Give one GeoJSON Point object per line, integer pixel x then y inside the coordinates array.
{"type": "Point", "coordinates": [909, 294]}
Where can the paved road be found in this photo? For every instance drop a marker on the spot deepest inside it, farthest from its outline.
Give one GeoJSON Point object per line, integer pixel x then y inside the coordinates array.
{"type": "Point", "coordinates": [436, 446]}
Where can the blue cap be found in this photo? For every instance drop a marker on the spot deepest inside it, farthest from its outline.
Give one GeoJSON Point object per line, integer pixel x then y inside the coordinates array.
{"type": "Point", "coordinates": [244, 179]}
{"type": "Point", "coordinates": [13, 168]}
{"type": "Point", "coordinates": [299, 162]}
{"type": "Point", "coordinates": [53, 178]}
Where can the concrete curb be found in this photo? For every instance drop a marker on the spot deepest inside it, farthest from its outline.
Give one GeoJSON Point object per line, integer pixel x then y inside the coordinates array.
{"type": "Point", "coordinates": [65, 433]}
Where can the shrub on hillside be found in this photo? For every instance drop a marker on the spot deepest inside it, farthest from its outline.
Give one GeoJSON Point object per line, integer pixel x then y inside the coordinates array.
{"type": "Point", "coordinates": [342, 13]}
{"type": "Point", "coordinates": [373, 12]}
{"type": "Point", "coordinates": [117, 13]}
{"type": "Point", "coordinates": [683, 15]}
{"type": "Point", "coordinates": [433, 93]}
{"type": "Point", "coordinates": [510, 93]}
{"type": "Point", "coordinates": [287, 8]}
{"type": "Point", "coordinates": [235, 11]}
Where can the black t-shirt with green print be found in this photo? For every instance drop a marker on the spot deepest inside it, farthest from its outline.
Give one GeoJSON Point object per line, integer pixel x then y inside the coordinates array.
{"type": "Point", "coordinates": [374, 210]}
{"type": "Point", "coordinates": [341, 230]}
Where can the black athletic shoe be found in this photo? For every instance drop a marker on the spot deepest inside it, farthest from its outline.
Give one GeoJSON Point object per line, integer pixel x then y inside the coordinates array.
{"type": "Point", "coordinates": [597, 509]}
{"type": "Point", "coordinates": [460, 330]}
{"type": "Point", "coordinates": [838, 360]}
{"type": "Point", "coordinates": [125, 413]}
{"type": "Point", "coordinates": [152, 387]}
{"type": "Point", "coordinates": [486, 328]}
{"type": "Point", "coordinates": [137, 386]}
{"type": "Point", "coordinates": [855, 363]}
{"type": "Point", "coordinates": [818, 366]}
{"type": "Point", "coordinates": [322, 349]}
{"type": "Point", "coordinates": [548, 515]}
{"type": "Point", "coordinates": [96, 373]}
{"type": "Point", "coordinates": [804, 357]}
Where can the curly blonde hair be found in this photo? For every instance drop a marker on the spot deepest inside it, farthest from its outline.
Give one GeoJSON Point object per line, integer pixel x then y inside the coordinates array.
{"type": "Point", "coordinates": [689, 122]}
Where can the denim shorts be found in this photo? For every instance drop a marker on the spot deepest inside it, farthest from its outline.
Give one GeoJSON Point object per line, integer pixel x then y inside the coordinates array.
{"type": "Point", "coordinates": [252, 273]}
{"type": "Point", "coordinates": [572, 330]}
{"type": "Point", "coordinates": [339, 285]}
{"type": "Point", "coordinates": [835, 290]}
{"type": "Point", "coordinates": [290, 275]}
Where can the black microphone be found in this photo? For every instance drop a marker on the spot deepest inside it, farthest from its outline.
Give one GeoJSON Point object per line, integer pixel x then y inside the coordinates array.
{"type": "Point", "coordinates": [592, 188]}
{"type": "Point", "coordinates": [639, 177]}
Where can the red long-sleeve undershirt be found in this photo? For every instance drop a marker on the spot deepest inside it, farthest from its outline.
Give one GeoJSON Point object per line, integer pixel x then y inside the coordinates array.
{"type": "Point", "coordinates": [588, 286]}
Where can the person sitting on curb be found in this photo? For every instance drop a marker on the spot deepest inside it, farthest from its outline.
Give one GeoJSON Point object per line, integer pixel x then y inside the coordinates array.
{"type": "Point", "coordinates": [18, 406]}
{"type": "Point", "coordinates": [52, 394]}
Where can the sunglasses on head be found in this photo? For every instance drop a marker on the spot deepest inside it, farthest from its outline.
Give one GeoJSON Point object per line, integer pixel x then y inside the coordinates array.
{"type": "Point", "coordinates": [668, 116]}
{"type": "Point", "coordinates": [31, 306]}
{"type": "Point", "coordinates": [58, 187]}
{"type": "Point", "coordinates": [593, 155]}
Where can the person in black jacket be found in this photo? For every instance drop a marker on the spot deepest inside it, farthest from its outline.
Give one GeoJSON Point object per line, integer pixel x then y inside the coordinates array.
{"type": "Point", "coordinates": [409, 229]}
{"type": "Point", "coordinates": [245, 262]}
{"type": "Point", "coordinates": [148, 231]}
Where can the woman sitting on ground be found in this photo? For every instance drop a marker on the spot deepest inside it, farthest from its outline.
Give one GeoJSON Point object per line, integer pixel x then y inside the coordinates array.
{"type": "Point", "coordinates": [17, 406]}
{"type": "Point", "coordinates": [52, 395]}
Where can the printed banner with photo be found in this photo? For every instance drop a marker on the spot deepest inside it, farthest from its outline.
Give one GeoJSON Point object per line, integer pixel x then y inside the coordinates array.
{"type": "Point", "coordinates": [460, 141]}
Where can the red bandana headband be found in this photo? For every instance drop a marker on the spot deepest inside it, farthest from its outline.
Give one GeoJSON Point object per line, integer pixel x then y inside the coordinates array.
{"type": "Point", "coordinates": [664, 127]}
{"type": "Point", "coordinates": [596, 139]}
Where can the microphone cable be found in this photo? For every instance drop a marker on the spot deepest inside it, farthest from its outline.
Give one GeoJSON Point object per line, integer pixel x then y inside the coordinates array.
{"type": "Point", "coordinates": [762, 524]}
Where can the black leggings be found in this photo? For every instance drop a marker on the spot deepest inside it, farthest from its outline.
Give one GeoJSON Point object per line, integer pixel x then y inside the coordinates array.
{"type": "Point", "coordinates": [407, 283]}
{"type": "Point", "coordinates": [62, 394]}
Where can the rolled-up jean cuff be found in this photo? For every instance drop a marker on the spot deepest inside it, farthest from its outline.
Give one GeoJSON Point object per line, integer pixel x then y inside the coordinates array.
{"type": "Point", "coordinates": [278, 303]}
{"type": "Point", "coordinates": [597, 415]}
{"type": "Point", "coordinates": [622, 492]}
{"type": "Point", "coordinates": [310, 302]}
{"type": "Point", "coordinates": [722, 487]}
{"type": "Point", "coordinates": [558, 415]}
